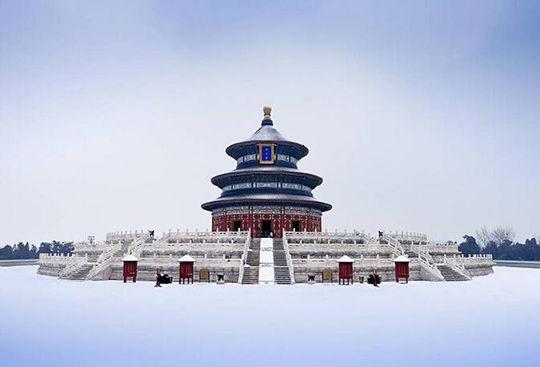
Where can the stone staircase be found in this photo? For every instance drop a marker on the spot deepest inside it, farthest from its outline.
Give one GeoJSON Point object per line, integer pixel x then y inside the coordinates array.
{"type": "Point", "coordinates": [281, 270]}
{"type": "Point", "coordinates": [450, 274]}
{"type": "Point", "coordinates": [78, 273]}
{"type": "Point", "coordinates": [251, 272]}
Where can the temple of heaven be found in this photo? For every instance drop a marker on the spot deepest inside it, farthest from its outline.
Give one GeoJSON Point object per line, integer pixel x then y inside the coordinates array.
{"type": "Point", "coordinates": [266, 193]}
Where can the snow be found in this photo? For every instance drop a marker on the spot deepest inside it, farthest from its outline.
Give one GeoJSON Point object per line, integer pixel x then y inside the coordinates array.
{"type": "Point", "coordinates": [266, 261]}
{"type": "Point", "coordinates": [402, 259]}
{"type": "Point", "coordinates": [186, 259]}
{"type": "Point", "coordinates": [345, 259]}
{"type": "Point", "coordinates": [130, 257]}
{"type": "Point", "coordinates": [489, 321]}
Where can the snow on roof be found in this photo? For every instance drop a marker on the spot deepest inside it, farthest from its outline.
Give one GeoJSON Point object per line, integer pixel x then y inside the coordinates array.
{"type": "Point", "coordinates": [130, 257]}
{"type": "Point", "coordinates": [345, 259]}
{"type": "Point", "coordinates": [402, 259]}
{"type": "Point", "coordinates": [186, 259]}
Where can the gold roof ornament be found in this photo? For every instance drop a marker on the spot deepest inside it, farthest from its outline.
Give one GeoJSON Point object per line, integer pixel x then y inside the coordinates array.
{"type": "Point", "coordinates": [267, 110]}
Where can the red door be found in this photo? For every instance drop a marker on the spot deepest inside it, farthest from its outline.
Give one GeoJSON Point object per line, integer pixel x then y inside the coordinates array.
{"type": "Point", "coordinates": [345, 271]}
{"type": "Point", "coordinates": [402, 271]}
{"type": "Point", "coordinates": [186, 270]}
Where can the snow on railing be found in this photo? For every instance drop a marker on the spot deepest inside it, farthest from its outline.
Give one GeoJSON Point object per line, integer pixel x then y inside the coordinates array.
{"type": "Point", "coordinates": [327, 237]}
{"type": "Point", "coordinates": [87, 248]}
{"type": "Point", "coordinates": [394, 244]}
{"type": "Point", "coordinates": [457, 266]}
{"type": "Point", "coordinates": [200, 262]}
{"type": "Point", "coordinates": [295, 248]}
{"type": "Point", "coordinates": [288, 257]}
{"type": "Point", "coordinates": [104, 261]}
{"type": "Point", "coordinates": [125, 236]}
{"type": "Point", "coordinates": [166, 247]}
{"type": "Point", "coordinates": [407, 236]}
{"type": "Point", "coordinates": [477, 259]}
{"type": "Point", "coordinates": [362, 261]}
{"type": "Point", "coordinates": [136, 247]}
{"type": "Point", "coordinates": [205, 237]}
{"type": "Point", "coordinates": [429, 266]}
{"type": "Point", "coordinates": [244, 258]}
{"type": "Point", "coordinates": [431, 247]}
{"type": "Point", "coordinates": [73, 265]}
{"type": "Point", "coordinates": [59, 259]}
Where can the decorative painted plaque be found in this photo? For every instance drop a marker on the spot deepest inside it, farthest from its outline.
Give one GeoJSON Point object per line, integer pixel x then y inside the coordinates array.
{"type": "Point", "coordinates": [266, 153]}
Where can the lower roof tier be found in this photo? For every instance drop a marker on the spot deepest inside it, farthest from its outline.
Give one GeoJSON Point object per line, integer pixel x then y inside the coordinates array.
{"type": "Point", "coordinates": [267, 199]}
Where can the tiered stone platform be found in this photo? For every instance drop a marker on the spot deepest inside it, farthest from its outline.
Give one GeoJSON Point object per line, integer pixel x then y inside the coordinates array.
{"type": "Point", "coordinates": [316, 253]}
{"type": "Point", "coordinates": [296, 257]}
{"type": "Point", "coordinates": [214, 252]}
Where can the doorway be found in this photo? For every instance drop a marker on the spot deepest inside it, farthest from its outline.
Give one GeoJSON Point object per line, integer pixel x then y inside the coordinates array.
{"type": "Point", "coordinates": [266, 228]}
{"type": "Point", "coordinates": [237, 225]}
{"type": "Point", "coordinates": [296, 225]}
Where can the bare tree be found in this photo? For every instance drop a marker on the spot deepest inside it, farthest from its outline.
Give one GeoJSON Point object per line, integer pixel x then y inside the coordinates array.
{"type": "Point", "coordinates": [498, 235]}
{"type": "Point", "coordinates": [483, 236]}
{"type": "Point", "coordinates": [502, 234]}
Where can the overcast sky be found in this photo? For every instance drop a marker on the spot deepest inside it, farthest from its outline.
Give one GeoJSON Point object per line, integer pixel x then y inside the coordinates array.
{"type": "Point", "coordinates": [420, 116]}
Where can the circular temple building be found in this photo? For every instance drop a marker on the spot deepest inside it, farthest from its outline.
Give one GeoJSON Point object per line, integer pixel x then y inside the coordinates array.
{"type": "Point", "coordinates": [266, 193]}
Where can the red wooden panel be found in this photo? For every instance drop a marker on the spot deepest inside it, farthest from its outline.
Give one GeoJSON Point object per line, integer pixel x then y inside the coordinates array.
{"type": "Point", "coordinates": [345, 270]}
{"type": "Point", "coordinates": [186, 270]}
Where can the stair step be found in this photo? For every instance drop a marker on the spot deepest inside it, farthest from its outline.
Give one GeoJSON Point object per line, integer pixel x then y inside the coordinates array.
{"type": "Point", "coordinates": [251, 273]}
{"type": "Point", "coordinates": [281, 270]}
{"type": "Point", "coordinates": [450, 274]}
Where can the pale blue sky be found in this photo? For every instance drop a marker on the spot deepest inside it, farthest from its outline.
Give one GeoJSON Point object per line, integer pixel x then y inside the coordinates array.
{"type": "Point", "coordinates": [420, 116]}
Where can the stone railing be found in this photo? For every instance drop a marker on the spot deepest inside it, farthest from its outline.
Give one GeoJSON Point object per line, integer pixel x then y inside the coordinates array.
{"type": "Point", "coordinates": [200, 262]}
{"type": "Point", "coordinates": [327, 261]}
{"type": "Point", "coordinates": [75, 262]}
{"type": "Point", "coordinates": [479, 259]}
{"type": "Point", "coordinates": [327, 238]}
{"type": "Point", "coordinates": [406, 236]}
{"type": "Point", "coordinates": [127, 237]}
{"type": "Point", "coordinates": [205, 237]}
{"type": "Point", "coordinates": [437, 248]}
{"type": "Point", "coordinates": [86, 247]}
{"type": "Point", "coordinates": [394, 244]}
{"type": "Point", "coordinates": [136, 247]}
{"type": "Point", "coordinates": [58, 259]}
{"type": "Point", "coordinates": [366, 248]}
{"type": "Point", "coordinates": [429, 267]}
{"type": "Point", "coordinates": [104, 262]}
{"type": "Point", "coordinates": [288, 257]}
{"type": "Point", "coordinates": [158, 247]}
{"type": "Point", "coordinates": [243, 259]}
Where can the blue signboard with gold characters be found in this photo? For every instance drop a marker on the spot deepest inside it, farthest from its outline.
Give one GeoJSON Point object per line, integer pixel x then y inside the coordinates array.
{"type": "Point", "coordinates": [266, 153]}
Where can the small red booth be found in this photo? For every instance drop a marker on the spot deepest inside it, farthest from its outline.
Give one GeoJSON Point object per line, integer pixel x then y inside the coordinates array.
{"type": "Point", "coordinates": [402, 269]}
{"type": "Point", "coordinates": [186, 269]}
{"type": "Point", "coordinates": [130, 267]}
{"type": "Point", "coordinates": [345, 264]}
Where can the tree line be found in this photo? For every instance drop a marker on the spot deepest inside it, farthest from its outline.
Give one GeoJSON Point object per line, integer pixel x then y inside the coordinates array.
{"type": "Point", "coordinates": [26, 251]}
{"type": "Point", "coordinates": [500, 243]}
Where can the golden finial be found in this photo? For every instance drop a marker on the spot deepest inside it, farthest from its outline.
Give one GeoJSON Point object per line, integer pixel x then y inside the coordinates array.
{"type": "Point", "coordinates": [267, 110]}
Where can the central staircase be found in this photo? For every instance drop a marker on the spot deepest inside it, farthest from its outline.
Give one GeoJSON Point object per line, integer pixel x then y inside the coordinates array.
{"type": "Point", "coordinates": [251, 272]}
{"type": "Point", "coordinates": [281, 269]}
{"type": "Point", "coordinates": [450, 274]}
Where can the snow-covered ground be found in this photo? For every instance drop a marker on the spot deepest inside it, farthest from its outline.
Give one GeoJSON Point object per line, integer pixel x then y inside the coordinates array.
{"type": "Point", "coordinates": [266, 261]}
{"type": "Point", "coordinates": [492, 320]}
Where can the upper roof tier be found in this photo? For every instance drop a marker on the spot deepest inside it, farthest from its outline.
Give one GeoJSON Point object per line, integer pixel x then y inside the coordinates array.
{"type": "Point", "coordinates": [267, 133]}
